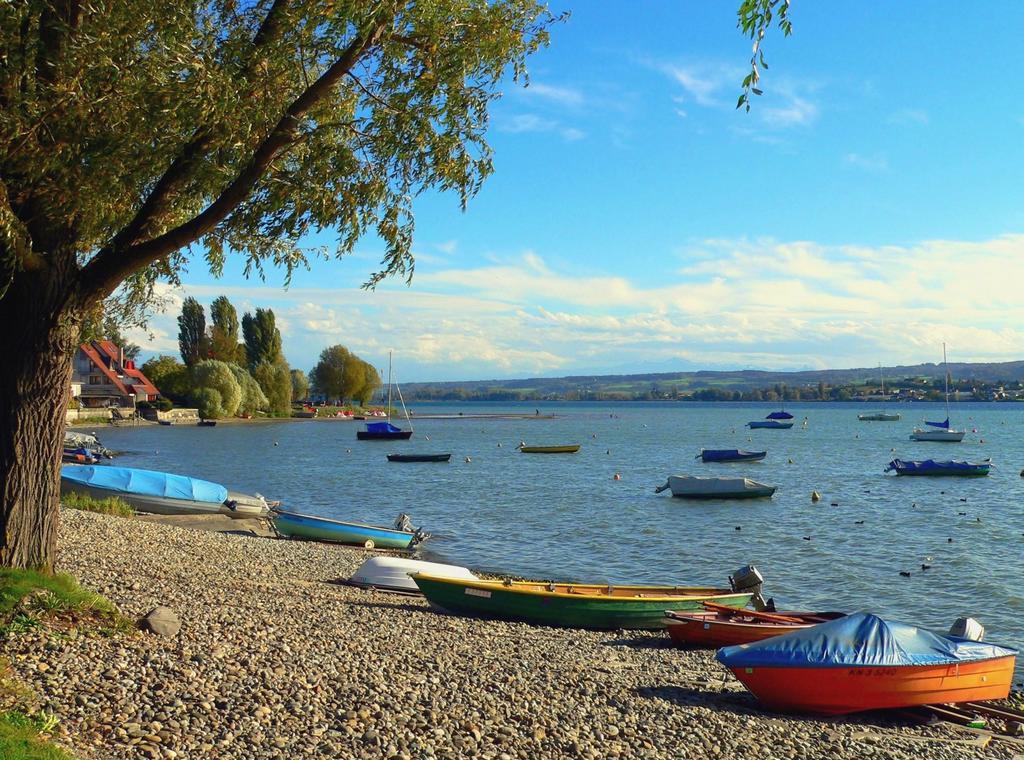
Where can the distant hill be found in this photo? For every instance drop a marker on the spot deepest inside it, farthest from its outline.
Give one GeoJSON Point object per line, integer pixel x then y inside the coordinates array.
{"type": "Point", "coordinates": [684, 383]}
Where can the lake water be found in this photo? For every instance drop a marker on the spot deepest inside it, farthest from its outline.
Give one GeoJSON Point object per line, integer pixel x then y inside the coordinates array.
{"type": "Point", "coordinates": [565, 516]}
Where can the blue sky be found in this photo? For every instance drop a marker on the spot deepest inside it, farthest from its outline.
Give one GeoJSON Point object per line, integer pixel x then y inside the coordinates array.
{"type": "Point", "coordinates": [868, 208]}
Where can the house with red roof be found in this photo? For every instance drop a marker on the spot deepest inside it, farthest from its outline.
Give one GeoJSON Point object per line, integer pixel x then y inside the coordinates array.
{"type": "Point", "coordinates": [107, 378]}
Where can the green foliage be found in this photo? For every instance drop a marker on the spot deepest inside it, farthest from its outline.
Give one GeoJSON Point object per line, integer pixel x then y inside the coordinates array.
{"type": "Point", "coordinates": [329, 373]}
{"type": "Point", "coordinates": [223, 333]}
{"type": "Point", "coordinates": [170, 376]}
{"type": "Point", "coordinates": [262, 338]}
{"type": "Point", "coordinates": [192, 332]}
{"type": "Point", "coordinates": [45, 592]}
{"type": "Point", "coordinates": [108, 506]}
{"type": "Point", "coordinates": [163, 404]}
{"type": "Point", "coordinates": [209, 403]}
{"type": "Point", "coordinates": [20, 737]}
{"type": "Point", "coordinates": [212, 375]}
{"type": "Point", "coordinates": [276, 381]}
{"type": "Point", "coordinates": [253, 397]}
{"type": "Point", "coordinates": [370, 383]}
{"type": "Point", "coordinates": [754, 20]}
{"type": "Point", "coordinates": [300, 385]}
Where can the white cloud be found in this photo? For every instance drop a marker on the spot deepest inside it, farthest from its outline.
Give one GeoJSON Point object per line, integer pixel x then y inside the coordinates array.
{"type": "Point", "coordinates": [726, 303]}
{"type": "Point", "coordinates": [794, 111]}
{"type": "Point", "coordinates": [705, 83]}
{"type": "Point", "coordinates": [529, 122]}
{"type": "Point", "coordinates": [565, 96]}
{"type": "Point", "coordinates": [909, 116]}
{"type": "Point", "coordinates": [873, 163]}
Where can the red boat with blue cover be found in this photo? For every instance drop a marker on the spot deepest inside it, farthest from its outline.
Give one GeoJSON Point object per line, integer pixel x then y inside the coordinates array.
{"type": "Point", "coordinates": [862, 662]}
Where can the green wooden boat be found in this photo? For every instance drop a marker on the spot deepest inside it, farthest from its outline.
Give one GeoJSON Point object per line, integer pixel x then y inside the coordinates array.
{"type": "Point", "coordinates": [570, 605]}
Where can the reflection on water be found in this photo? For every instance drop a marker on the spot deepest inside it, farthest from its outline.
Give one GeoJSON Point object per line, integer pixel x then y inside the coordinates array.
{"type": "Point", "coordinates": [565, 516]}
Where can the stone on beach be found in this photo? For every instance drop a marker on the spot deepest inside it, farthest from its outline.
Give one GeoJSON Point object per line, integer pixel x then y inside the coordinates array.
{"type": "Point", "coordinates": [162, 621]}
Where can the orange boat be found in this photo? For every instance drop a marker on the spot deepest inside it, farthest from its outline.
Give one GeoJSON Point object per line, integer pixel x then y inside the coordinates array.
{"type": "Point", "coordinates": [862, 662]}
{"type": "Point", "coordinates": [719, 626]}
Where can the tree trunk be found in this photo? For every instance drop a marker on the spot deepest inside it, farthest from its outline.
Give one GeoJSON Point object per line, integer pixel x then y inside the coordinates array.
{"type": "Point", "coordinates": [36, 345]}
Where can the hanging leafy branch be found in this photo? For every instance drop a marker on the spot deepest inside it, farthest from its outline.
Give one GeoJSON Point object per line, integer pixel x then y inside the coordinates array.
{"type": "Point", "coordinates": [755, 19]}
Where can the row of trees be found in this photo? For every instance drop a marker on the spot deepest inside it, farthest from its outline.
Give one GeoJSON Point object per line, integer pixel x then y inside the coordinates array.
{"type": "Point", "coordinates": [237, 367]}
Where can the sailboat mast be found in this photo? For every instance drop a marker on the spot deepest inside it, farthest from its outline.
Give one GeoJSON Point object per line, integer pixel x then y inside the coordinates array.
{"type": "Point", "coordinates": [389, 384]}
{"type": "Point", "coordinates": [945, 379]}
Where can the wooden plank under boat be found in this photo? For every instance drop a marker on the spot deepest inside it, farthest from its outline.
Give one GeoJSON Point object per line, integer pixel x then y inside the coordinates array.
{"type": "Point", "coordinates": [570, 448]}
{"type": "Point", "coordinates": [570, 605]}
{"type": "Point", "coordinates": [316, 528]}
{"type": "Point", "coordinates": [419, 457]}
{"type": "Point", "coordinates": [862, 662]}
{"type": "Point", "coordinates": [718, 626]}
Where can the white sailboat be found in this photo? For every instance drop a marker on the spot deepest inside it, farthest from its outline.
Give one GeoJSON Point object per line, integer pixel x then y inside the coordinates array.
{"type": "Point", "coordinates": [940, 431]}
{"type": "Point", "coordinates": [882, 416]}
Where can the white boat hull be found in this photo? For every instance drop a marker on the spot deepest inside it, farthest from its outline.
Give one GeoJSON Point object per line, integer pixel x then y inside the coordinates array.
{"type": "Point", "coordinates": [393, 573]}
{"type": "Point", "coordinates": [244, 505]}
{"type": "Point", "coordinates": [946, 436]}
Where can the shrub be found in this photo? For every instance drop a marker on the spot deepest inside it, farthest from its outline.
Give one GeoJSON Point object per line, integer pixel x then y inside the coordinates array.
{"type": "Point", "coordinates": [217, 376]}
{"type": "Point", "coordinates": [163, 404]}
{"type": "Point", "coordinates": [108, 506]}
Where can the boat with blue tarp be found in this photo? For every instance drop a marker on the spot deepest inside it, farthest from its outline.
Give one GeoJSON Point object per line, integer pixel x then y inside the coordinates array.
{"type": "Point", "coordinates": [780, 415]}
{"type": "Point", "coordinates": [385, 431]}
{"type": "Point", "coordinates": [730, 455]}
{"type": "Point", "coordinates": [770, 424]}
{"type": "Point", "coordinates": [316, 528]}
{"type": "Point", "coordinates": [862, 662]}
{"type": "Point", "coordinates": [161, 493]}
{"type": "Point", "coordinates": [931, 467]}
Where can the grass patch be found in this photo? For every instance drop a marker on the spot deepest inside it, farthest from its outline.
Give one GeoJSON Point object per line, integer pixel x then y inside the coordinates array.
{"type": "Point", "coordinates": [29, 599]}
{"type": "Point", "coordinates": [22, 737]}
{"type": "Point", "coordinates": [109, 506]}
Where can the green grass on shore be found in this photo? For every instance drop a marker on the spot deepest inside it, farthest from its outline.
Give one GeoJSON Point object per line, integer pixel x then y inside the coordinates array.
{"type": "Point", "coordinates": [22, 737]}
{"type": "Point", "coordinates": [29, 598]}
{"type": "Point", "coordinates": [109, 506]}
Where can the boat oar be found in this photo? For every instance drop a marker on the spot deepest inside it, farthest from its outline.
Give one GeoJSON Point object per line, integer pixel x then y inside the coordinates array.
{"type": "Point", "coordinates": [714, 607]}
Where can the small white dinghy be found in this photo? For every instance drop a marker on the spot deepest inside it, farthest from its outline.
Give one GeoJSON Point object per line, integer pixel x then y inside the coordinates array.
{"type": "Point", "coordinates": [690, 487]}
{"type": "Point", "coordinates": [392, 573]}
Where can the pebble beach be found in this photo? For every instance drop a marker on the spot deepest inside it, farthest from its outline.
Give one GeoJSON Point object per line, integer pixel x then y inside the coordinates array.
{"type": "Point", "coordinates": [275, 659]}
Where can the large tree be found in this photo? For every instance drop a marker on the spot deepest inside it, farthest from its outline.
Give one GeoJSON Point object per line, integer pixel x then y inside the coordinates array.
{"type": "Point", "coordinates": [328, 375]}
{"type": "Point", "coordinates": [223, 337]}
{"type": "Point", "coordinates": [133, 134]}
{"type": "Point", "coordinates": [262, 338]}
{"type": "Point", "coordinates": [192, 332]}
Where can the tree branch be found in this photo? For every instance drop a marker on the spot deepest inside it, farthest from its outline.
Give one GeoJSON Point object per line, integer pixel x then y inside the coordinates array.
{"type": "Point", "coordinates": [110, 266]}
{"type": "Point", "coordinates": [56, 22]}
{"type": "Point", "coordinates": [181, 168]}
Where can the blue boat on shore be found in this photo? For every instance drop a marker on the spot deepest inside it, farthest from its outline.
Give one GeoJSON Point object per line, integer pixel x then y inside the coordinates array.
{"type": "Point", "coordinates": [315, 528]}
{"type": "Point", "coordinates": [931, 467]}
{"type": "Point", "coordinates": [730, 455]}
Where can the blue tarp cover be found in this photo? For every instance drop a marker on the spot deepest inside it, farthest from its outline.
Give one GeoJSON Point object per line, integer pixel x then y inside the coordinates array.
{"type": "Point", "coordinates": [146, 483]}
{"type": "Point", "coordinates": [381, 427]}
{"type": "Point", "coordinates": [944, 424]}
{"type": "Point", "coordinates": [928, 465]}
{"type": "Point", "coordinates": [779, 416]}
{"type": "Point", "coordinates": [861, 639]}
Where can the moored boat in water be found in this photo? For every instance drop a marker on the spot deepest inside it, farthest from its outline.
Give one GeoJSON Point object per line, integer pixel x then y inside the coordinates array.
{"type": "Point", "coordinates": [730, 455]}
{"type": "Point", "coordinates": [940, 431]}
{"type": "Point", "coordinates": [568, 448]}
{"type": "Point", "coordinates": [161, 493]}
{"type": "Point", "coordinates": [930, 467]}
{"type": "Point", "coordinates": [570, 605]}
{"type": "Point", "coordinates": [419, 457]}
{"type": "Point", "coordinates": [768, 424]}
{"type": "Point", "coordinates": [862, 662]}
{"type": "Point", "coordinates": [316, 528]}
{"type": "Point", "coordinates": [717, 626]}
{"type": "Point", "coordinates": [692, 487]}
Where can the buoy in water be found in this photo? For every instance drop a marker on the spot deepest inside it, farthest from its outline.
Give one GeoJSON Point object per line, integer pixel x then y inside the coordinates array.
{"type": "Point", "coordinates": [499, 444]}
{"type": "Point", "coordinates": [815, 496]}
{"type": "Point", "coordinates": [469, 459]}
{"type": "Point", "coordinates": [617, 477]}
{"type": "Point", "coordinates": [427, 437]}
{"type": "Point", "coordinates": [276, 443]}
{"type": "Point", "coordinates": [790, 461]}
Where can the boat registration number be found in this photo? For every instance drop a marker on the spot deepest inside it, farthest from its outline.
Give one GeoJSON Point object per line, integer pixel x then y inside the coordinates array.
{"type": "Point", "coordinates": [478, 592]}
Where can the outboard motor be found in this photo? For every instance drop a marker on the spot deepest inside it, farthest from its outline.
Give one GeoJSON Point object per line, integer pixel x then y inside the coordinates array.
{"type": "Point", "coordinates": [403, 522]}
{"type": "Point", "coordinates": [967, 628]}
{"type": "Point", "coordinates": [749, 579]}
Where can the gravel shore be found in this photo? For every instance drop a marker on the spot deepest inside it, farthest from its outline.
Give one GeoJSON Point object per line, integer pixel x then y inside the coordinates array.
{"type": "Point", "coordinates": [273, 660]}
